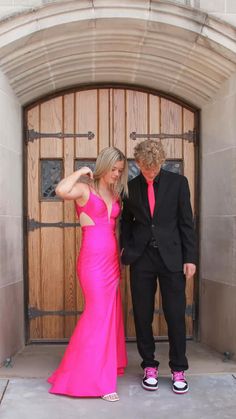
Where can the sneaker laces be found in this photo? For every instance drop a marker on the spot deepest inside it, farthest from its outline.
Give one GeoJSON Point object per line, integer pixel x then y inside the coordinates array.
{"type": "Point", "coordinates": [151, 372]}
{"type": "Point", "coordinates": [178, 376]}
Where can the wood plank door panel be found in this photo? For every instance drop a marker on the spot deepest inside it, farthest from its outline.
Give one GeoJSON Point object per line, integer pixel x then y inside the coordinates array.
{"type": "Point", "coordinates": [34, 237]}
{"type": "Point", "coordinates": [189, 172]}
{"type": "Point", "coordinates": [70, 282]}
{"type": "Point", "coordinates": [55, 299]}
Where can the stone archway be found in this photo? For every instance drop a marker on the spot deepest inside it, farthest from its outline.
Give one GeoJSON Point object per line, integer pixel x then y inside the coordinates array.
{"type": "Point", "coordinates": [178, 50]}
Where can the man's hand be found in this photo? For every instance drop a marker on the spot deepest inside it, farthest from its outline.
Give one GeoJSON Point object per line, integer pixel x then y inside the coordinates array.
{"type": "Point", "coordinates": [189, 270]}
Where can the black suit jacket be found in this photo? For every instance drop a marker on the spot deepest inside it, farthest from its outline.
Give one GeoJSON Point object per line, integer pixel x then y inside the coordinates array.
{"type": "Point", "coordinates": [171, 225]}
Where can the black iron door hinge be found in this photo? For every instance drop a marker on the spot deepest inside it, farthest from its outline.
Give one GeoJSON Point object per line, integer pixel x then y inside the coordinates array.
{"type": "Point", "coordinates": [190, 136]}
{"type": "Point", "coordinates": [33, 224]}
{"type": "Point", "coordinates": [34, 312]}
{"type": "Point", "coordinates": [32, 135]}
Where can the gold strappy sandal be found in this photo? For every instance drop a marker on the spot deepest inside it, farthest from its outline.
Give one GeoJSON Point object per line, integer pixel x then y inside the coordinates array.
{"type": "Point", "coordinates": [111, 397]}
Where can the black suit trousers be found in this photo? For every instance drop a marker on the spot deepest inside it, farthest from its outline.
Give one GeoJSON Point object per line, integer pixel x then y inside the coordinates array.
{"type": "Point", "coordinates": [143, 279]}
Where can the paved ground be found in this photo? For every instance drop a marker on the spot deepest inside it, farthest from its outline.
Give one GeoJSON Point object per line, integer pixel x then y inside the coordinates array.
{"type": "Point", "coordinates": [212, 390]}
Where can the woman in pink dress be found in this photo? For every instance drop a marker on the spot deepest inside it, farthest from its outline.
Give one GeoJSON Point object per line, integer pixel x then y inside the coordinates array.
{"type": "Point", "coordinates": [96, 353]}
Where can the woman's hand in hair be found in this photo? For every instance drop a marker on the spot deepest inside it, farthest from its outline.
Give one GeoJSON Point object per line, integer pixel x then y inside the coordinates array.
{"type": "Point", "coordinates": [85, 171]}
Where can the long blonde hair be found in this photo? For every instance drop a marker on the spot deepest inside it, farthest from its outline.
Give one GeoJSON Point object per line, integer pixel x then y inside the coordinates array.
{"type": "Point", "coordinates": [106, 159]}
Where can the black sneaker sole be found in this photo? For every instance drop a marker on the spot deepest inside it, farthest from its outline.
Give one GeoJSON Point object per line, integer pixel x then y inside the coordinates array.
{"type": "Point", "coordinates": [149, 388]}
{"type": "Point", "coordinates": [180, 391]}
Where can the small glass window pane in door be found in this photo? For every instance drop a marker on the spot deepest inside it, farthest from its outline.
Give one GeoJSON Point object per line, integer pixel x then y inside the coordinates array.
{"type": "Point", "coordinates": [175, 166]}
{"type": "Point", "coordinates": [51, 174]}
{"type": "Point", "coordinates": [88, 163]}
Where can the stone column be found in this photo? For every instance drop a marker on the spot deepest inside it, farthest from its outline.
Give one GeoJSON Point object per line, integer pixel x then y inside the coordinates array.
{"type": "Point", "coordinates": [218, 220]}
{"type": "Point", "coordinates": [11, 237]}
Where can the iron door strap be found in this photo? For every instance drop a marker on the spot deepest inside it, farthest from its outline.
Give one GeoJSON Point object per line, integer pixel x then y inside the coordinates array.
{"type": "Point", "coordinates": [32, 135]}
{"type": "Point", "coordinates": [190, 136]}
{"type": "Point", "coordinates": [33, 224]}
{"type": "Point", "coordinates": [34, 312]}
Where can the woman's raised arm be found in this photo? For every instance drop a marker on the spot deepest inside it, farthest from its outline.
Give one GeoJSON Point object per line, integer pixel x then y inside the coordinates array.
{"type": "Point", "coordinates": [70, 188]}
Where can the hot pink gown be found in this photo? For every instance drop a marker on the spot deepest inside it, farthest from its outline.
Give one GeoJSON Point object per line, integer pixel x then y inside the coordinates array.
{"type": "Point", "coordinates": [96, 353]}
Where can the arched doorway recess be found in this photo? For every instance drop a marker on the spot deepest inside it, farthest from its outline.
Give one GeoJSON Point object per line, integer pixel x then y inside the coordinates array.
{"type": "Point", "coordinates": [63, 133]}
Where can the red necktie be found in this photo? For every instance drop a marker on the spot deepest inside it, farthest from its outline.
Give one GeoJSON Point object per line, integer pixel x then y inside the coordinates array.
{"type": "Point", "coordinates": [151, 196]}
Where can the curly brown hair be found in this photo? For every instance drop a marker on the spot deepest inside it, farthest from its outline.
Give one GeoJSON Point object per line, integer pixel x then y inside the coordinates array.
{"type": "Point", "coordinates": [149, 153]}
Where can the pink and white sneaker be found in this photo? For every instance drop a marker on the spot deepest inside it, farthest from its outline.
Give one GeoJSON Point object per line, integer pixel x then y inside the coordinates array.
{"type": "Point", "coordinates": [150, 378]}
{"type": "Point", "coordinates": [179, 383]}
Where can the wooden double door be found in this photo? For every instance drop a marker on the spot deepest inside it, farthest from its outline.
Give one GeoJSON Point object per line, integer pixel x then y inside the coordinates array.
{"type": "Point", "coordinates": [62, 134]}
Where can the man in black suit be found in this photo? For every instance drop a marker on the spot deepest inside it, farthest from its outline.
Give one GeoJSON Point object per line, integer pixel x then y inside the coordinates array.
{"type": "Point", "coordinates": [158, 240]}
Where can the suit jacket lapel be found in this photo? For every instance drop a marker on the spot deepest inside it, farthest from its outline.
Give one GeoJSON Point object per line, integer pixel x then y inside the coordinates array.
{"type": "Point", "coordinates": [162, 186]}
{"type": "Point", "coordinates": [144, 197]}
